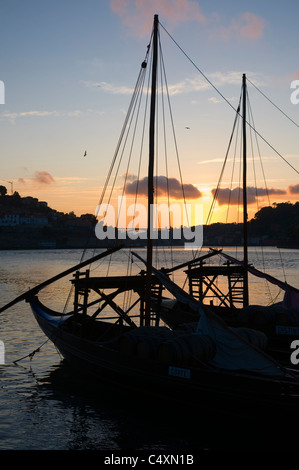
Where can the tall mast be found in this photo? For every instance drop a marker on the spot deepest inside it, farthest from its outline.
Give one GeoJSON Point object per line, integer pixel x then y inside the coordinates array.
{"type": "Point", "coordinates": [245, 260]}
{"type": "Point", "coordinates": [151, 172]}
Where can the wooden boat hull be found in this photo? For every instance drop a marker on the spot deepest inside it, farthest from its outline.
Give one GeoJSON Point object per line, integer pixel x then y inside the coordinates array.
{"type": "Point", "coordinates": [204, 386]}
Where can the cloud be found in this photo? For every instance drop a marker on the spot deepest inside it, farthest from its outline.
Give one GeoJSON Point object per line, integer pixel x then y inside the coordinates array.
{"type": "Point", "coordinates": [250, 26]}
{"type": "Point", "coordinates": [294, 189]}
{"type": "Point", "coordinates": [27, 114]}
{"type": "Point", "coordinates": [40, 177]}
{"type": "Point", "coordinates": [43, 177]}
{"type": "Point", "coordinates": [235, 196]}
{"type": "Point", "coordinates": [129, 177]}
{"type": "Point", "coordinates": [214, 160]}
{"type": "Point", "coordinates": [163, 185]}
{"type": "Point", "coordinates": [138, 15]}
{"type": "Point", "coordinates": [247, 26]}
{"type": "Point", "coordinates": [220, 160]}
{"type": "Point", "coordinates": [183, 86]}
{"type": "Point", "coordinates": [188, 85]}
{"type": "Point", "coordinates": [116, 89]}
{"type": "Point", "coordinates": [70, 179]}
{"type": "Point", "coordinates": [13, 116]}
{"type": "Point", "coordinates": [214, 100]}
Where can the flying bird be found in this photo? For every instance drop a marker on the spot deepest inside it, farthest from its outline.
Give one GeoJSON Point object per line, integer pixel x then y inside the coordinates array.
{"type": "Point", "coordinates": [187, 128]}
{"type": "Point", "coordinates": [85, 153]}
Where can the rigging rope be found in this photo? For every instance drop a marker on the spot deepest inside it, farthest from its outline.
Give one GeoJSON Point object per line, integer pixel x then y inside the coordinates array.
{"type": "Point", "coordinates": [226, 100]}
{"type": "Point", "coordinates": [277, 107]}
{"type": "Point", "coordinates": [176, 145]}
{"type": "Point", "coordinates": [129, 119]}
{"type": "Point", "coordinates": [30, 355]}
{"type": "Point", "coordinates": [224, 164]}
{"type": "Point", "coordinates": [131, 107]}
{"type": "Point", "coordinates": [250, 116]}
{"type": "Point", "coordinates": [258, 148]}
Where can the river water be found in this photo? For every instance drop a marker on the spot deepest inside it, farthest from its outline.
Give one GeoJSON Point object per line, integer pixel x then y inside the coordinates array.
{"type": "Point", "coordinates": [46, 406]}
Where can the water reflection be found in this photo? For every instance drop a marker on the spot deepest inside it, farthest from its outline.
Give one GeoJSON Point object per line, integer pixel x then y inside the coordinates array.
{"type": "Point", "coordinates": [96, 416]}
{"type": "Point", "coordinates": [45, 405]}
{"type": "Point", "coordinates": [100, 417]}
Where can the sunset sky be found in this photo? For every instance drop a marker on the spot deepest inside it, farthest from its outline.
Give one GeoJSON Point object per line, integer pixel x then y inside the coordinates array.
{"type": "Point", "coordinates": [69, 68]}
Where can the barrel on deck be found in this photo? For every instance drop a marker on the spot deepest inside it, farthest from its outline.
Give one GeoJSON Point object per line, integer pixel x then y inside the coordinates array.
{"type": "Point", "coordinates": [254, 337]}
{"type": "Point", "coordinates": [143, 341]}
{"type": "Point", "coordinates": [187, 350]}
{"type": "Point", "coordinates": [147, 345]}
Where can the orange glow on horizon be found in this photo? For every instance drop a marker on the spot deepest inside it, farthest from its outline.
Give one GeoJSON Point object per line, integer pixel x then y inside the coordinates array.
{"type": "Point", "coordinates": [76, 199]}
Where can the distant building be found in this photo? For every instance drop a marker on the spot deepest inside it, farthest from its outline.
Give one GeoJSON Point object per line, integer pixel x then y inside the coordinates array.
{"type": "Point", "coordinates": [9, 220]}
{"type": "Point", "coordinates": [34, 221]}
{"type": "Point", "coordinates": [12, 220]}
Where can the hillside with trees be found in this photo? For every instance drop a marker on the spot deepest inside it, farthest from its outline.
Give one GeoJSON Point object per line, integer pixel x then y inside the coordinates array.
{"type": "Point", "coordinates": [26, 222]}
{"type": "Point", "coordinates": [279, 222]}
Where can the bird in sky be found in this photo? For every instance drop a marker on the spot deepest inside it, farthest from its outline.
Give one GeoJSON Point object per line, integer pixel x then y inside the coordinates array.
{"type": "Point", "coordinates": [85, 153]}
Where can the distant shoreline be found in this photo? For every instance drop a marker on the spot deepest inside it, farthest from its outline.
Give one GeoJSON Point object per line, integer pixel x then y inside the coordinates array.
{"type": "Point", "coordinates": [40, 248]}
{"type": "Point", "coordinates": [29, 224]}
